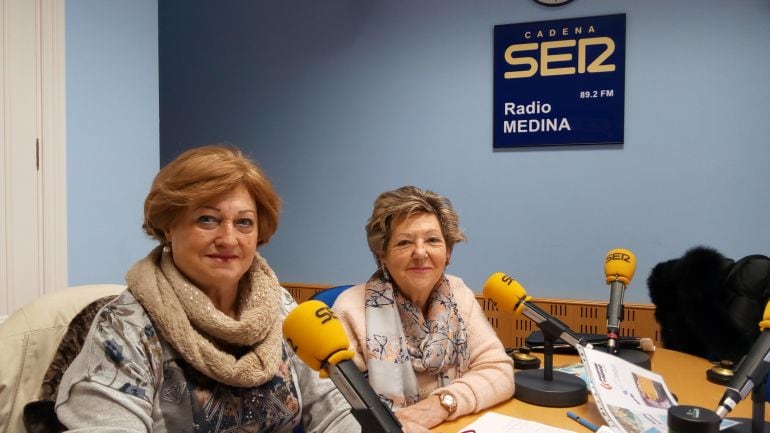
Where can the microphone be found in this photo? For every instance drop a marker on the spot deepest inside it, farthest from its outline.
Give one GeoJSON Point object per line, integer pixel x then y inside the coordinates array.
{"type": "Point", "coordinates": [318, 338]}
{"type": "Point", "coordinates": [751, 371]}
{"type": "Point", "coordinates": [619, 267]}
{"type": "Point", "coordinates": [511, 296]}
{"type": "Point", "coordinates": [543, 387]}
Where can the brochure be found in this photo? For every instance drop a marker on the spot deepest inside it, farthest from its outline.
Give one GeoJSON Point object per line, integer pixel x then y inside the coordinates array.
{"type": "Point", "coordinates": [631, 399]}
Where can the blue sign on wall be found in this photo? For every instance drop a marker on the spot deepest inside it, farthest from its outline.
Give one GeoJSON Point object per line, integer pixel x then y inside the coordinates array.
{"type": "Point", "coordinates": [560, 82]}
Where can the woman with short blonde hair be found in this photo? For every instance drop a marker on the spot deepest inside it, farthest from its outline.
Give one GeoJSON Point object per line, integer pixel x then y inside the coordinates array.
{"type": "Point", "coordinates": [428, 348]}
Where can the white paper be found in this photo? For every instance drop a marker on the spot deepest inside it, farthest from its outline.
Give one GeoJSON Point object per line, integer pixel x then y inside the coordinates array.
{"type": "Point", "coordinates": [492, 422]}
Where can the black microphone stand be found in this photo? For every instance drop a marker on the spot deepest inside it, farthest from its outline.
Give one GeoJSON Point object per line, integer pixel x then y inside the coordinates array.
{"type": "Point", "coordinates": [545, 387]}
{"type": "Point", "coordinates": [757, 422]}
{"type": "Point", "coordinates": [634, 356]}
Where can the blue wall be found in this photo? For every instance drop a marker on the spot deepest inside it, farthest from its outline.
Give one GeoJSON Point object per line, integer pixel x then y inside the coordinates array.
{"type": "Point", "coordinates": [342, 99]}
{"type": "Point", "coordinates": [112, 133]}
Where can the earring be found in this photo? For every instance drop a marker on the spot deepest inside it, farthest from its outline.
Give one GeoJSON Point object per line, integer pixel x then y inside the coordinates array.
{"type": "Point", "coordinates": [385, 275]}
{"type": "Point", "coordinates": [167, 248]}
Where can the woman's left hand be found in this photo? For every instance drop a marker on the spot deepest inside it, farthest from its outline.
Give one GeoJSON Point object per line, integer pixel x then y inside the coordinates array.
{"type": "Point", "coordinates": [411, 427]}
{"type": "Point", "coordinates": [428, 413]}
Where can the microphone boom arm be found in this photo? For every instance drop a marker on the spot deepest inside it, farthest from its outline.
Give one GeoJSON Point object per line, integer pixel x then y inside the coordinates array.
{"type": "Point", "coordinates": [752, 370]}
{"type": "Point", "coordinates": [552, 327]}
{"type": "Point", "coordinates": [366, 406]}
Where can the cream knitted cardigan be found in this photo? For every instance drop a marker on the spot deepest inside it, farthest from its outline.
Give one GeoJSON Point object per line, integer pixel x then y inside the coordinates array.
{"type": "Point", "coordinates": [489, 377]}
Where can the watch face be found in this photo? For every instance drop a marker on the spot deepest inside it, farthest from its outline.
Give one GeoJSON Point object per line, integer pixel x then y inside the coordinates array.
{"type": "Point", "coordinates": [448, 401]}
{"type": "Point", "coordinates": [553, 2]}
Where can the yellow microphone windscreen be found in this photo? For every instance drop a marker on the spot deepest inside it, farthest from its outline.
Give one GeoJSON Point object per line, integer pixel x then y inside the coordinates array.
{"type": "Point", "coordinates": [619, 265]}
{"type": "Point", "coordinates": [765, 323]}
{"type": "Point", "coordinates": [505, 291]}
{"type": "Point", "coordinates": [315, 333]}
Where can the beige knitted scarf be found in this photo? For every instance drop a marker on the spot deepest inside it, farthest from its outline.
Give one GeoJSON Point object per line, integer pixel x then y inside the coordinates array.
{"type": "Point", "coordinates": [190, 322]}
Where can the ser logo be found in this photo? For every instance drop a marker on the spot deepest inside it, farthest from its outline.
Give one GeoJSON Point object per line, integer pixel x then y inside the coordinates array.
{"type": "Point", "coordinates": [293, 346]}
{"type": "Point", "coordinates": [559, 57]}
{"type": "Point", "coordinates": [618, 256]}
{"type": "Point", "coordinates": [325, 314]}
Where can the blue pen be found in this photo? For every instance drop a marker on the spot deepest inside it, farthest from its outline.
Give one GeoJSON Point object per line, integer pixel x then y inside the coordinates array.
{"type": "Point", "coordinates": [591, 426]}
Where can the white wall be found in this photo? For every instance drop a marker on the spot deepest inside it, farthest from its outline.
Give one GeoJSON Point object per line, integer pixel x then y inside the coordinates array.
{"type": "Point", "coordinates": [112, 133]}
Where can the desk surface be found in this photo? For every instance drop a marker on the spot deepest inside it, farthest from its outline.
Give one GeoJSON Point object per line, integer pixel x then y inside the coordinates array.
{"type": "Point", "coordinates": [685, 376]}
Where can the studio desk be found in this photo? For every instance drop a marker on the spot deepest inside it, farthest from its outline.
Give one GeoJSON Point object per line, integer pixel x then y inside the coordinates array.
{"type": "Point", "coordinates": [684, 374]}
